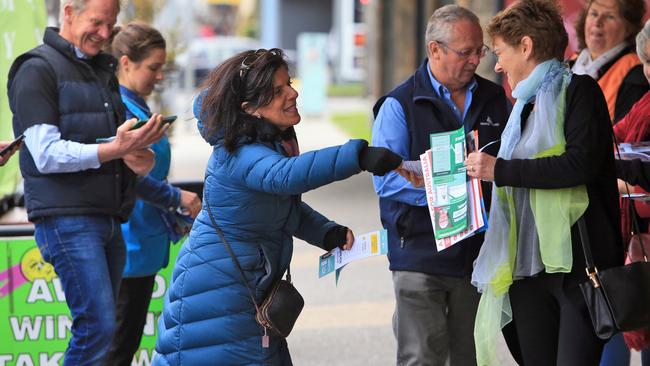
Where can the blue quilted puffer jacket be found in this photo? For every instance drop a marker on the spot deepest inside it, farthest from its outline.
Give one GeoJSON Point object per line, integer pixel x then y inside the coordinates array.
{"type": "Point", "coordinates": [254, 194]}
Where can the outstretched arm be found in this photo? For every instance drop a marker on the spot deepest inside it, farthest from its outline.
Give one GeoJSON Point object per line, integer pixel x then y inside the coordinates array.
{"type": "Point", "coordinates": [263, 169]}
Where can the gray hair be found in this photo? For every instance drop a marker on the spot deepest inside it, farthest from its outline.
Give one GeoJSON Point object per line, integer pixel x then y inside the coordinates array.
{"type": "Point", "coordinates": [642, 41]}
{"type": "Point", "coordinates": [78, 6]}
{"type": "Point", "coordinates": [439, 25]}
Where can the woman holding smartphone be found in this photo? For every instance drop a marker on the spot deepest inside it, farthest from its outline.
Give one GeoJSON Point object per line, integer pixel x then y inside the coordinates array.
{"type": "Point", "coordinates": [140, 51]}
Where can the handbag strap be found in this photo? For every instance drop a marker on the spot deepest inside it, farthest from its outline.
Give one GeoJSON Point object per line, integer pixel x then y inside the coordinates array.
{"type": "Point", "coordinates": [586, 245]}
{"type": "Point", "coordinates": [232, 255]}
{"type": "Point", "coordinates": [236, 261]}
{"type": "Point", "coordinates": [592, 271]}
{"type": "Point", "coordinates": [634, 217]}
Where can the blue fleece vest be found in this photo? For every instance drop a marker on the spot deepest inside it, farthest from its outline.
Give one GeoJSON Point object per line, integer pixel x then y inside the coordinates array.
{"type": "Point", "coordinates": [89, 107]}
{"type": "Point", "coordinates": [411, 245]}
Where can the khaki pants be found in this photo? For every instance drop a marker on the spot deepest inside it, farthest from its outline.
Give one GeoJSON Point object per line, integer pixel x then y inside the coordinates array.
{"type": "Point", "coordinates": [434, 319]}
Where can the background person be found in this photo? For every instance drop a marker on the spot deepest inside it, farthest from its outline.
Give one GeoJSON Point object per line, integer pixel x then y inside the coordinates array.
{"type": "Point", "coordinates": [634, 127]}
{"type": "Point", "coordinates": [64, 95]}
{"type": "Point", "coordinates": [555, 165]}
{"type": "Point", "coordinates": [140, 51]}
{"type": "Point", "coordinates": [254, 181]}
{"type": "Point", "coordinates": [606, 31]}
{"type": "Point", "coordinates": [435, 301]}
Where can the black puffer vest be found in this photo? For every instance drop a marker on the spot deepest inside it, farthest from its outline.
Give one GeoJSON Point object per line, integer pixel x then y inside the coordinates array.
{"type": "Point", "coordinates": [411, 244]}
{"type": "Point", "coordinates": [89, 107]}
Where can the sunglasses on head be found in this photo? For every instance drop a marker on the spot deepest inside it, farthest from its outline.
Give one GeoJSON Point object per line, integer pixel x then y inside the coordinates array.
{"type": "Point", "coordinates": [252, 57]}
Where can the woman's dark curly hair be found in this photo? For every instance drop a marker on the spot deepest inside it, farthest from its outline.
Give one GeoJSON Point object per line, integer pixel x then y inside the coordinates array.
{"type": "Point", "coordinates": [246, 77]}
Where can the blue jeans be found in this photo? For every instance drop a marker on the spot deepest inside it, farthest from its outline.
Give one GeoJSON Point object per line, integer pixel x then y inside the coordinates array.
{"type": "Point", "coordinates": [88, 254]}
{"type": "Point", "coordinates": [615, 352]}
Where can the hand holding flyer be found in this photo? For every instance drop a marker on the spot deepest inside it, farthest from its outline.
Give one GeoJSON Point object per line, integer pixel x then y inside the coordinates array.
{"type": "Point", "coordinates": [367, 245]}
{"type": "Point", "coordinates": [442, 186]}
{"type": "Point", "coordinates": [414, 166]}
{"type": "Point", "coordinates": [449, 182]}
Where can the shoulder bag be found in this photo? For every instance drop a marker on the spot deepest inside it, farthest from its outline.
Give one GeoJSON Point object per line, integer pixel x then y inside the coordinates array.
{"type": "Point", "coordinates": [281, 307]}
{"type": "Point", "coordinates": [618, 298]}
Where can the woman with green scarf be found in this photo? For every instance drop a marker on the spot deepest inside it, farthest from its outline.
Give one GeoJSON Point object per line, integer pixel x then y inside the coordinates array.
{"type": "Point", "coordinates": [555, 165]}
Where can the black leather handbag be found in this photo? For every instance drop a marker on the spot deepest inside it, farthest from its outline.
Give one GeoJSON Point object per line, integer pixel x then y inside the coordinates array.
{"type": "Point", "coordinates": [278, 313]}
{"type": "Point", "coordinates": [281, 307]}
{"type": "Point", "coordinates": [618, 298]}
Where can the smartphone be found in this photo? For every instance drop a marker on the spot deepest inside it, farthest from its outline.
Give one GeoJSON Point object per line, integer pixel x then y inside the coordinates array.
{"type": "Point", "coordinates": [140, 123]}
{"type": "Point", "coordinates": [11, 145]}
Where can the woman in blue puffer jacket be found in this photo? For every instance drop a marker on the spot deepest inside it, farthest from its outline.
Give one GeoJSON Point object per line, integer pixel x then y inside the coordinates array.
{"type": "Point", "coordinates": [253, 186]}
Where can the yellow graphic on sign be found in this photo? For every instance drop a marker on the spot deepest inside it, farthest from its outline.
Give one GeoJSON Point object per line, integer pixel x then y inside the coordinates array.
{"type": "Point", "coordinates": [34, 267]}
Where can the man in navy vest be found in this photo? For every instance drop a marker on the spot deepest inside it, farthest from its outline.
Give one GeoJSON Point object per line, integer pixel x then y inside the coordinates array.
{"type": "Point", "coordinates": [64, 95]}
{"type": "Point", "coordinates": [435, 301]}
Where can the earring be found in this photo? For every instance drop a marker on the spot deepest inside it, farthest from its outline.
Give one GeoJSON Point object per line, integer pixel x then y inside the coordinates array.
{"type": "Point", "coordinates": [257, 115]}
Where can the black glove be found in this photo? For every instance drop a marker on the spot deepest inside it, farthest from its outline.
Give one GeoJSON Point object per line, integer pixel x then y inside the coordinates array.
{"type": "Point", "coordinates": [335, 237]}
{"type": "Point", "coordinates": [378, 160]}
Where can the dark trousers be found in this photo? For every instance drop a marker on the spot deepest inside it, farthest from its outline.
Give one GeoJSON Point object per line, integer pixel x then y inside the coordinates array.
{"type": "Point", "coordinates": [552, 323]}
{"type": "Point", "coordinates": [131, 313]}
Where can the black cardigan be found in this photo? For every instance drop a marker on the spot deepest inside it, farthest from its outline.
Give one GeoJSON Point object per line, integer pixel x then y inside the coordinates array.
{"type": "Point", "coordinates": [635, 172]}
{"type": "Point", "coordinates": [589, 160]}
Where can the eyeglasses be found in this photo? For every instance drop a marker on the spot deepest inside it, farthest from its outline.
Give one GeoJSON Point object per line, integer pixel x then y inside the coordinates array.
{"type": "Point", "coordinates": [252, 57]}
{"type": "Point", "coordinates": [465, 54]}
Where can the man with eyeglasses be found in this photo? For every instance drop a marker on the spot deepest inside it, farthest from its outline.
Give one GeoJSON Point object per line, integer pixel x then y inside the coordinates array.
{"type": "Point", "coordinates": [435, 301]}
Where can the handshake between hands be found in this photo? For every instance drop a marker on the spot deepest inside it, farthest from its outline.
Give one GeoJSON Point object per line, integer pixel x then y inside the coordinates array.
{"type": "Point", "coordinates": [478, 164]}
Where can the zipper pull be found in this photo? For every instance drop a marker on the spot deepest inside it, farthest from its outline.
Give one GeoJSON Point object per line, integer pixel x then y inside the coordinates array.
{"type": "Point", "coordinates": [401, 242]}
{"type": "Point", "coordinates": [265, 339]}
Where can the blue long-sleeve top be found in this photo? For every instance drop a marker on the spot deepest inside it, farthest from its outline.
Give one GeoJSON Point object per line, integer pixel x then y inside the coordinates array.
{"type": "Point", "coordinates": [390, 131]}
{"type": "Point", "coordinates": [145, 233]}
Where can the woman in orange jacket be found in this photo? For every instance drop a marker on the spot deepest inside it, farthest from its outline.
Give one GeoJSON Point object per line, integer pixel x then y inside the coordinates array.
{"type": "Point", "coordinates": [606, 31]}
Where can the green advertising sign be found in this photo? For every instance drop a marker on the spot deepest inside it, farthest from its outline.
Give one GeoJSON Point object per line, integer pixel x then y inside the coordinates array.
{"type": "Point", "coordinates": [22, 24]}
{"type": "Point", "coordinates": [34, 320]}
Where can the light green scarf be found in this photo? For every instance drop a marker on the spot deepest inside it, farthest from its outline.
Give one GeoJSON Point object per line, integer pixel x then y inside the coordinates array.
{"type": "Point", "coordinates": [554, 210]}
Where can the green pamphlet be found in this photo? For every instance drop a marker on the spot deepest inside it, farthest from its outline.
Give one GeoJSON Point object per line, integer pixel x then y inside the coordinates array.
{"type": "Point", "coordinates": [449, 182]}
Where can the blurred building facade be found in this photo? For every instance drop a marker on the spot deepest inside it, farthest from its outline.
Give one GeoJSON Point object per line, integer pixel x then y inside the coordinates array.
{"type": "Point", "coordinates": [396, 45]}
{"type": "Point", "coordinates": [281, 21]}
{"type": "Point", "coordinates": [375, 42]}
{"type": "Point", "coordinates": [396, 30]}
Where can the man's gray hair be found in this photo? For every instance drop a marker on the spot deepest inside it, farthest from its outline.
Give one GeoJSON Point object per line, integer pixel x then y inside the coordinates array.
{"type": "Point", "coordinates": [78, 6]}
{"type": "Point", "coordinates": [439, 25]}
{"type": "Point", "coordinates": [642, 41]}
